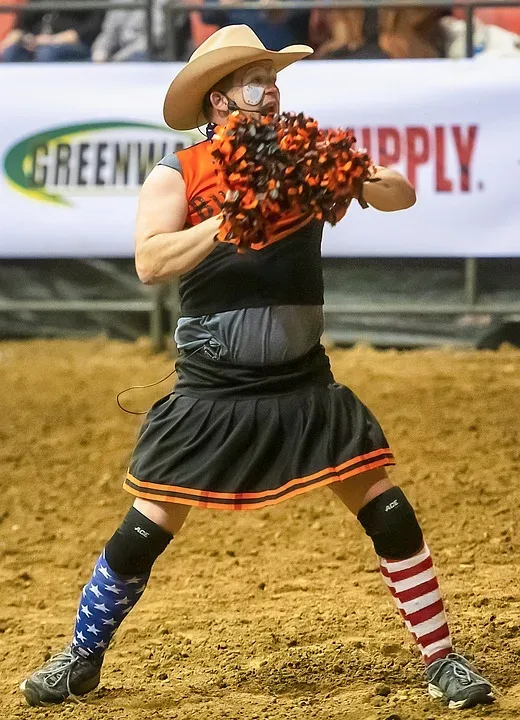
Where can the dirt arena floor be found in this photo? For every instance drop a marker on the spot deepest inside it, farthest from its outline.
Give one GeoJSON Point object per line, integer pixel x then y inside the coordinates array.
{"type": "Point", "coordinates": [278, 613]}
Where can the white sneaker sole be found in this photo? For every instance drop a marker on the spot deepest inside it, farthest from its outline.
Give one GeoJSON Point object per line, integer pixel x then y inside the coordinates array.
{"type": "Point", "coordinates": [480, 699]}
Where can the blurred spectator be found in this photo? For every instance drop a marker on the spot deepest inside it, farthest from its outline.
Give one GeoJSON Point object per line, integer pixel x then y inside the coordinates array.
{"type": "Point", "coordinates": [123, 35]}
{"type": "Point", "coordinates": [412, 32]}
{"type": "Point", "coordinates": [350, 33]}
{"type": "Point", "coordinates": [275, 28]}
{"type": "Point", "coordinates": [385, 33]}
{"type": "Point", "coordinates": [65, 35]}
{"type": "Point", "coordinates": [488, 40]}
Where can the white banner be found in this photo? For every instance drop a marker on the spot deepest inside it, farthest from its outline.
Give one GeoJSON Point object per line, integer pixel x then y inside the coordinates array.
{"type": "Point", "coordinates": [76, 142]}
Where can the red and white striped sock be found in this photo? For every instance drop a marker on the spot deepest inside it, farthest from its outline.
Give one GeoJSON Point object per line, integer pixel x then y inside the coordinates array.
{"type": "Point", "coordinates": [414, 587]}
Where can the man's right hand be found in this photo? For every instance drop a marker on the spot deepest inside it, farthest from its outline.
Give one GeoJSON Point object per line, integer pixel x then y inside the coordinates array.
{"type": "Point", "coordinates": [213, 225]}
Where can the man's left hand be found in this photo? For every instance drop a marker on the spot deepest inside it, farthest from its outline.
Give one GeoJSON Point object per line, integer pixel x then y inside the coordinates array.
{"type": "Point", "coordinates": [391, 192]}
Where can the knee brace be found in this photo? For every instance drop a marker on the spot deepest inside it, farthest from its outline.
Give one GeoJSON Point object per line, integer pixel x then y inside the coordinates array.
{"type": "Point", "coordinates": [389, 520]}
{"type": "Point", "coordinates": [136, 545]}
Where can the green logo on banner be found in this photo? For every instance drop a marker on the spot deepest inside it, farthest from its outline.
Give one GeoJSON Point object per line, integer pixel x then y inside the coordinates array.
{"type": "Point", "coordinates": [89, 159]}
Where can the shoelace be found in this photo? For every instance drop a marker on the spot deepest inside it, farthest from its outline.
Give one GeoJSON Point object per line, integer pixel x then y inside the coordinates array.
{"type": "Point", "coordinates": [456, 669]}
{"type": "Point", "coordinates": [62, 663]}
{"type": "Point", "coordinates": [461, 671]}
{"type": "Point", "coordinates": [71, 694]}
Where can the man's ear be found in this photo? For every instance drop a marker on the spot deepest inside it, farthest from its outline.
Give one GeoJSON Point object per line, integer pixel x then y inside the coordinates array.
{"type": "Point", "coordinates": [218, 100]}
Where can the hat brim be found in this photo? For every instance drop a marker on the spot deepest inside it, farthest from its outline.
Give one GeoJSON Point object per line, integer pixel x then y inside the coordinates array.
{"type": "Point", "coordinates": [183, 103]}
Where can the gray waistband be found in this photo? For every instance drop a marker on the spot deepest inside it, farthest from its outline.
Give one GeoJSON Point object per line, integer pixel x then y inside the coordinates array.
{"type": "Point", "coordinates": [254, 335]}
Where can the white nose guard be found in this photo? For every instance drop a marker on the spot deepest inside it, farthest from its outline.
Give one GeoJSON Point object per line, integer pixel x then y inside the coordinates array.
{"type": "Point", "coordinates": [253, 94]}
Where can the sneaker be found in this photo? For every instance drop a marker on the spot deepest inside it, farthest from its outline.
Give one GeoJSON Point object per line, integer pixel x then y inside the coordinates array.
{"type": "Point", "coordinates": [63, 677]}
{"type": "Point", "coordinates": [453, 681]}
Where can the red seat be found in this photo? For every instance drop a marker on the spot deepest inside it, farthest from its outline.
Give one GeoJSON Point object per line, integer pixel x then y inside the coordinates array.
{"type": "Point", "coordinates": [200, 31]}
{"type": "Point", "coordinates": [504, 17]}
{"type": "Point", "coordinates": [507, 18]}
{"type": "Point", "coordinates": [7, 20]}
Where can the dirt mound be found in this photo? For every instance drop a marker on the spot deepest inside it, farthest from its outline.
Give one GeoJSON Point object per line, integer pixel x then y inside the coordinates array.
{"type": "Point", "coordinates": [278, 613]}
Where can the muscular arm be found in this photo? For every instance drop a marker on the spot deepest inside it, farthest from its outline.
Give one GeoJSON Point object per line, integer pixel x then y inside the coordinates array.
{"type": "Point", "coordinates": [162, 248]}
{"type": "Point", "coordinates": [391, 192]}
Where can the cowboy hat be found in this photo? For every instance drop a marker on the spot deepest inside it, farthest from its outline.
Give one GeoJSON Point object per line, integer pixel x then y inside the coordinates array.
{"type": "Point", "coordinates": [227, 50]}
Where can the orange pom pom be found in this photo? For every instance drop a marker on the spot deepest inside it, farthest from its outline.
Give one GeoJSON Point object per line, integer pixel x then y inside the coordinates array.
{"type": "Point", "coordinates": [281, 164]}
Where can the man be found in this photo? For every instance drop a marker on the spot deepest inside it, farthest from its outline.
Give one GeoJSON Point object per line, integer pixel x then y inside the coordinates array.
{"type": "Point", "coordinates": [62, 36]}
{"type": "Point", "coordinates": [123, 35]}
{"type": "Point", "coordinates": [357, 33]}
{"type": "Point", "coordinates": [256, 416]}
{"type": "Point", "coordinates": [275, 28]}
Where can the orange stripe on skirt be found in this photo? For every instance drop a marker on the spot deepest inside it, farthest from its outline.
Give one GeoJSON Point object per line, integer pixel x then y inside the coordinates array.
{"type": "Point", "coordinates": [210, 499]}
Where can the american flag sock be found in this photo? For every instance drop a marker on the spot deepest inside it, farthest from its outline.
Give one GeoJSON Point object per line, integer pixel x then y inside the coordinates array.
{"type": "Point", "coordinates": [415, 589]}
{"type": "Point", "coordinates": [105, 602]}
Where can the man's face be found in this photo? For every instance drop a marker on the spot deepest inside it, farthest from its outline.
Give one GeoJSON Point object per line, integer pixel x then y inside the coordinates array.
{"type": "Point", "coordinates": [254, 87]}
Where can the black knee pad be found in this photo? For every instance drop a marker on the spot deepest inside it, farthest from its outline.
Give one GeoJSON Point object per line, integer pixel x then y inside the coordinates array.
{"type": "Point", "coordinates": [389, 520]}
{"type": "Point", "coordinates": [136, 545]}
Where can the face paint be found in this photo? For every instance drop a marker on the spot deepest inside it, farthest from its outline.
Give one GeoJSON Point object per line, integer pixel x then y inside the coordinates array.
{"type": "Point", "coordinates": [253, 94]}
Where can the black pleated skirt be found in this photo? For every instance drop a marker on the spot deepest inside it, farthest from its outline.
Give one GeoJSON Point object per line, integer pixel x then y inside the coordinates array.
{"type": "Point", "coordinates": [235, 437]}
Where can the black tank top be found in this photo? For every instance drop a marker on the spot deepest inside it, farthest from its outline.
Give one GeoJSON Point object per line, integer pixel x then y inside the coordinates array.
{"type": "Point", "coordinates": [286, 272]}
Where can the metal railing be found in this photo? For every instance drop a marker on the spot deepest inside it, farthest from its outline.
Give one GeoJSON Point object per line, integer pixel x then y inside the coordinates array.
{"type": "Point", "coordinates": [153, 305]}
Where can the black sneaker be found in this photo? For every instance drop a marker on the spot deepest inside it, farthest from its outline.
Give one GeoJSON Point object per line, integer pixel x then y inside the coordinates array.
{"type": "Point", "coordinates": [453, 681]}
{"type": "Point", "coordinates": [63, 677]}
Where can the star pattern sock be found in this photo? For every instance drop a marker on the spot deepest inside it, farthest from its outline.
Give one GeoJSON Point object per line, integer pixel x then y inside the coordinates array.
{"type": "Point", "coordinates": [105, 602]}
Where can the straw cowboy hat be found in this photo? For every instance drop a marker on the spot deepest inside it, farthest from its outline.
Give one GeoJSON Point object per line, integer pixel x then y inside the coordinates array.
{"type": "Point", "coordinates": [227, 50]}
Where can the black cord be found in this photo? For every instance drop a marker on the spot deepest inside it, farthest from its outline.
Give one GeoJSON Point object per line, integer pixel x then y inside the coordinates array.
{"type": "Point", "coordinates": [177, 365]}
